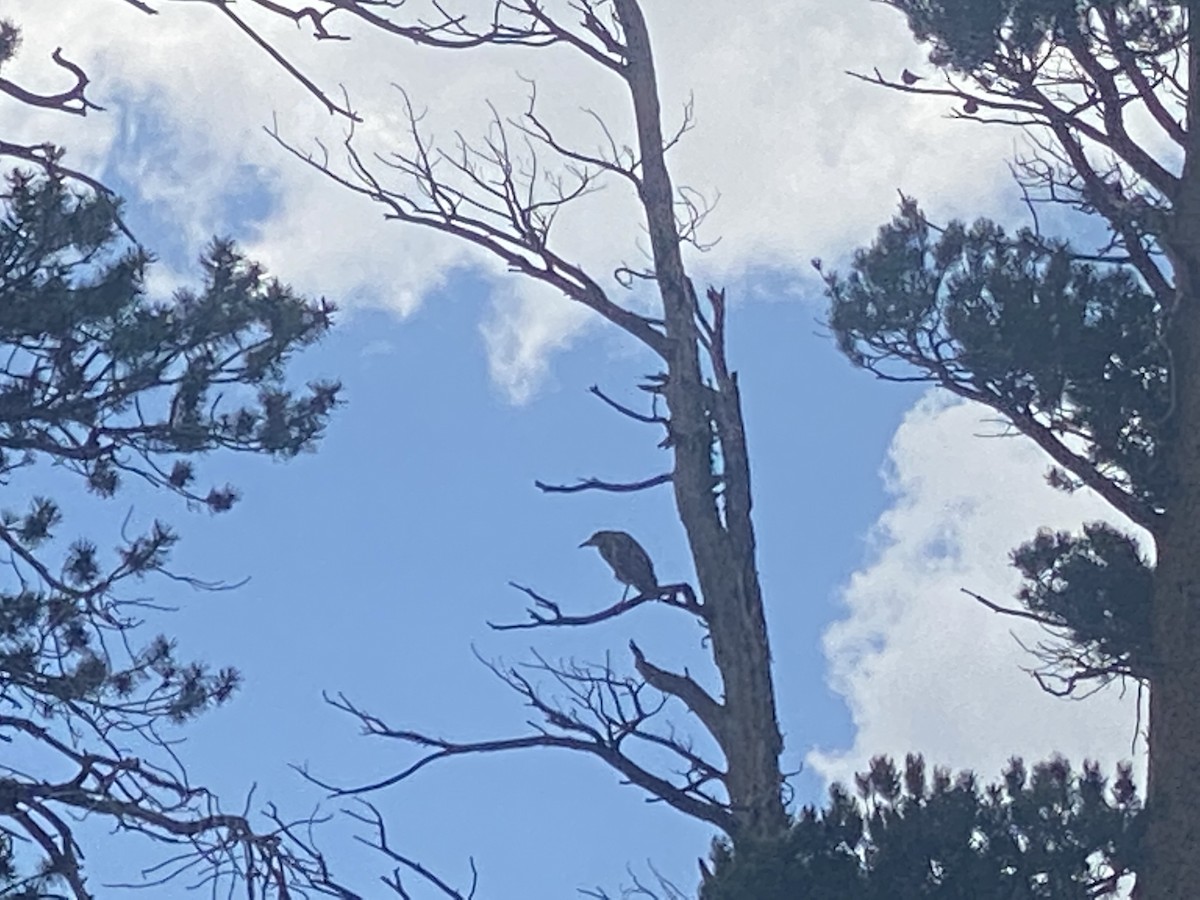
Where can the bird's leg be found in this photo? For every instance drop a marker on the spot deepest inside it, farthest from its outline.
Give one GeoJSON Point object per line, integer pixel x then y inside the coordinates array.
{"type": "Point", "coordinates": [626, 594]}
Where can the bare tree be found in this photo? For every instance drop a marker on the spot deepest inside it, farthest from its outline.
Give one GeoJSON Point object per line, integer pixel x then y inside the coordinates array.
{"type": "Point", "coordinates": [494, 197]}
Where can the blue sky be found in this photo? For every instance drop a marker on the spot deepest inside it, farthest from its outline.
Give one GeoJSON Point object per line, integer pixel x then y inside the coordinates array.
{"type": "Point", "coordinates": [375, 562]}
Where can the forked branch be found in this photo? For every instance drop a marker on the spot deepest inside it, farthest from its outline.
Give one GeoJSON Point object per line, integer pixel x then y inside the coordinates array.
{"type": "Point", "coordinates": [600, 714]}
{"type": "Point", "coordinates": [547, 613]}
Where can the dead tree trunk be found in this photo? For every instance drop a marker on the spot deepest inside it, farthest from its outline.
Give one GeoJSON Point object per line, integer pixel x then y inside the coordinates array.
{"type": "Point", "coordinates": [720, 531]}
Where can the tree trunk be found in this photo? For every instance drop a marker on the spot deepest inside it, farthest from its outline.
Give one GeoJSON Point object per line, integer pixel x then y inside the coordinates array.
{"type": "Point", "coordinates": [721, 537]}
{"type": "Point", "coordinates": [1172, 867]}
{"type": "Point", "coordinates": [1173, 840]}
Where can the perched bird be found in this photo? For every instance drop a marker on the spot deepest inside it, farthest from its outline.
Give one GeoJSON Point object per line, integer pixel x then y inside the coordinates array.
{"type": "Point", "coordinates": [909, 78]}
{"type": "Point", "coordinates": [630, 563]}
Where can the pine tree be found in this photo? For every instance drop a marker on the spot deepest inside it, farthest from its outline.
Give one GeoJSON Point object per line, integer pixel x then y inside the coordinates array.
{"type": "Point", "coordinates": [1047, 833]}
{"type": "Point", "coordinates": [1093, 353]}
{"type": "Point", "coordinates": [106, 385]}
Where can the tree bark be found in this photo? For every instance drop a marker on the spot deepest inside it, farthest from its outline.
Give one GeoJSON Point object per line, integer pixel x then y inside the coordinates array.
{"type": "Point", "coordinates": [722, 546]}
{"type": "Point", "coordinates": [1171, 870]}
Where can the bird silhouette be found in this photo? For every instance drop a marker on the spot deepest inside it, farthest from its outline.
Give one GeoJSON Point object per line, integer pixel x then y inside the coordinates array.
{"type": "Point", "coordinates": [631, 564]}
{"type": "Point", "coordinates": [909, 78]}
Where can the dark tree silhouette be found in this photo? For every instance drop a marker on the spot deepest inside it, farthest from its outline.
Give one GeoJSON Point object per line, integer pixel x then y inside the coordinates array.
{"type": "Point", "coordinates": [1050, 833]}
{"type": "Point", "coordinates": [1092, 353]}
{"type": "Point", "coordinates": [105, 384]}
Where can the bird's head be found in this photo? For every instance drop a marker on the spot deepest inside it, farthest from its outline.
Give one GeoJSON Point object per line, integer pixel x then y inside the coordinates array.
{"type": "Point", "coordinates": [599, 539]}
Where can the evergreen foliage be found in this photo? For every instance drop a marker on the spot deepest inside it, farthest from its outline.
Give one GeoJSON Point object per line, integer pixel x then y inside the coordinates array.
{"type": "Point", "coordinates": [100, 381]}
{"type": "Point", "coordinates": [1047, 833]}
{"type": "Point", "coordinates": [1060, 345]}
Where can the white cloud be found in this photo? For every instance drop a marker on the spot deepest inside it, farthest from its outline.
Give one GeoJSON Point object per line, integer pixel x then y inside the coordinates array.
{"type": "Point", "coordinates": [806, 160]}
{"type": "Point", "coordinates": [922, 666]}
{"type": "Point", "coordinates": [524, 323]}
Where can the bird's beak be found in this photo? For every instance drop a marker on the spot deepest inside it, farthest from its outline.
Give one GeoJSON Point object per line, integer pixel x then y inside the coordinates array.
{"type": "Point", "coordinates": [587, 543]}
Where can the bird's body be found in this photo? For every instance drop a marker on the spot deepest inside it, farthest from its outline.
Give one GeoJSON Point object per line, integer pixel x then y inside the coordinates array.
{"type": "Point", "coordinates": [631, 564]}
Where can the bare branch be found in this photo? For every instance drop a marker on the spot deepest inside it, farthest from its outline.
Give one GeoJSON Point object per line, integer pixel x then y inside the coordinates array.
{"type": "Point", "coordinates": [286, 65]}
{"type": "Point", "coordinates": [495, 209]}
{"type": "Point", "coordinates": [141, 798]}
{"type": "Point", "coordinates": [693, 696]}
{"type": "Point", "coordinates": [680, 596]}
{"type": "Point", "coordinates": [380, 842]}
{"type": "Point", "coordinates": [1068, 668]}
{"type": "Point", "coordinates": [617, 713]}
{"type": "Point", "coordinates": [664, 890]}
{"type": "Point", "coordinates": [652, 419]}
{"type": "Point", "coordinates": [73, 100]}
{"type": "Point", "coordinates": [1008, 611]}
{"type": "Point", "coordinates": [595, 484]}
